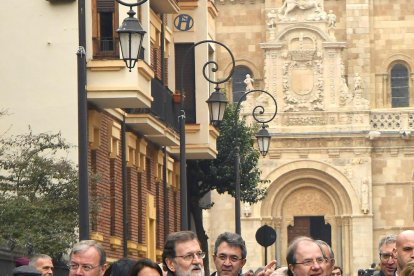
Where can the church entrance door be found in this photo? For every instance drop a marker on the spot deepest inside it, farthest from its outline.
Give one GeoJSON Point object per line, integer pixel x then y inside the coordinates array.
{"type": "Point", "coordinates": [311, 226]}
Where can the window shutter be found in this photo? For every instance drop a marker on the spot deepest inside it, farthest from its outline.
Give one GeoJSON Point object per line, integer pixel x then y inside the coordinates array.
{"type": "Point", "coordinates": [105, 5]}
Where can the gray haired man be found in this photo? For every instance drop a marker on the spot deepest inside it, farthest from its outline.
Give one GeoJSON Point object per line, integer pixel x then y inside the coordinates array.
{"type": "Point", "coordinates": [87, 258]}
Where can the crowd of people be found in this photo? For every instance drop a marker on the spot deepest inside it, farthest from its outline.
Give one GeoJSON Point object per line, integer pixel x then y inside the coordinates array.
{"type": "Point", "coordinates": [182, 256]}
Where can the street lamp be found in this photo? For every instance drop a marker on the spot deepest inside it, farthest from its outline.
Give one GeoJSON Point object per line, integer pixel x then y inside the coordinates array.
{"type": "Point", "coordinates": [131, 35]}
{"type": "Point", "coordinates": [263, 140]}
{"type": "Point", "coordinates": [217, 104]}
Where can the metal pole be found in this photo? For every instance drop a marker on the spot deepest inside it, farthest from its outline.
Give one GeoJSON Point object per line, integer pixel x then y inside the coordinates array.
{"type": "Point", "coordinates": [124, 191]}
{"type": "Point", "coordinates": [183, 171]}
{"type": "Point", "coordinates": [165, 187]}
{"type": "Point", "coordinates": [82, 127]}
{"type": "Point", "coordinates": [237, 190]}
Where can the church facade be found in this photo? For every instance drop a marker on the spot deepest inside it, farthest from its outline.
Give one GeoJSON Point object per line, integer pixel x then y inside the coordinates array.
{"type": "Point", "coordinates": [341, 161]}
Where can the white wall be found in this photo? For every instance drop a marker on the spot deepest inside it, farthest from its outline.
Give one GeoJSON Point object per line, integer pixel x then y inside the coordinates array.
{"type": "Point", "coordinates": [38, 70]}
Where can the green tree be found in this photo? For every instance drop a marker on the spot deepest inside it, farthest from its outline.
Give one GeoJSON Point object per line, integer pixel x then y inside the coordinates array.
{"type": "Point", "coordinates": [218, 174]}
{"type": "Point", "coordinates": [38, 193]}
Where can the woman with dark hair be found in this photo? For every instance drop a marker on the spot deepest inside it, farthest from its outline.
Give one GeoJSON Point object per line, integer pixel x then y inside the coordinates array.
{"type": "Point", "coordinates": [145, 267]}
{"type": "Point", "coordinates": [121, 267]}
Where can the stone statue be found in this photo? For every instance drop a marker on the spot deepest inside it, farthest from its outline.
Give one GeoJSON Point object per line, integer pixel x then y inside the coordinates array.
{"type": "Point", "coordinates": [271, 19]}
{"type": "Point", "coordinates": [364, 196]}
{"type": "Point", "coordinates": [249, 83]}
{"type": "Point", "coordinates": [290, 5]}
{"type": "Point", "coordinates": [331, 19]}
{"type": "Point", "coordinates": [357, 82]}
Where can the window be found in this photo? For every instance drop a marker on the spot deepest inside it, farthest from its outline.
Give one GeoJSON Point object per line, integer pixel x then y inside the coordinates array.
{"type": "Point", "coordinates": [188, 78]}
{"type": "Point", "coordinates": [399, 86]}
{"type": "Point", "coordinates": [105, 24]}
{"type": "Point", "coordinates": [238, 85]}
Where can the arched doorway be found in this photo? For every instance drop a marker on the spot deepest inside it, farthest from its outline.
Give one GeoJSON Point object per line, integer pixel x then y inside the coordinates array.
{"type": "Point", "coordinates": [314, 199]}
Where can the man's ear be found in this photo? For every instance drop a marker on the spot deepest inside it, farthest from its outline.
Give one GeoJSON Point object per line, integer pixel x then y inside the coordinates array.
{"type": "Point", "coordinates": [243, 262]}
{"type": "Point", "coordinates": [290, 266]}
{"type": "Point", "coordinates": [103, 268]}
{"type": "Point", "coordinates": [170, 264]}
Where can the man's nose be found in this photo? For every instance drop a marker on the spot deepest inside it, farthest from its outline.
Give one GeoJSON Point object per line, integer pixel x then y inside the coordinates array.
{"type": "Point", "coordinates": [227, 262]}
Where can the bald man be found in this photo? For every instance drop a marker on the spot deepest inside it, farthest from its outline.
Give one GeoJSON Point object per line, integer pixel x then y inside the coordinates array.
{"type": "Point", "coordinates": [404, 249]}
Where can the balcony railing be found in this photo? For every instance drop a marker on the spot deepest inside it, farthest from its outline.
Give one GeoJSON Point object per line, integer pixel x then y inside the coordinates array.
{"type": "Point", "coordinates": [162, 106]}
{"type": "Point", "coordinates": [106, 47]}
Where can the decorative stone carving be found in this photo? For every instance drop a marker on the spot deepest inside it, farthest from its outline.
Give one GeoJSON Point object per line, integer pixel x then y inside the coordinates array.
{"type": "Point", "coordinates": [365, 196]}
{"type": "Point", "coordinates": [308, 201]}
{"type": "Point", "coordinates": [331, 17]}
{"type": "Point", "coordinates": [289, 6]}
{"type": "Point", "coordinates": [358, 101]}
{"type": "Point", "coordinates": [248, 81]}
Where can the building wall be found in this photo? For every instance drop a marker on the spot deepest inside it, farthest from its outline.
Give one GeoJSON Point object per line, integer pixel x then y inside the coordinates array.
{"type": "Point", "coordinates": [145, 192]}
{"type": "Point", "coordinates": [36, 89]}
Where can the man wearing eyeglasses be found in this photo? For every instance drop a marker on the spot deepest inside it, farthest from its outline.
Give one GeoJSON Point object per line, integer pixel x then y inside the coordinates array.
{"type": "Point", "coordinates": [182, 255]}
{"type": "Point", "coordinates": [229, 254]}
{"type": "Point", "coordinates": [404, 249]}
{"type": "Point", "coordinates": [304, 258]}
{"type": "Point", "coordinates": [329, 256]}
{"type": "Point", "coordinates": [87, 258]}
{"type": "Point", "coordinates": [388, 263]}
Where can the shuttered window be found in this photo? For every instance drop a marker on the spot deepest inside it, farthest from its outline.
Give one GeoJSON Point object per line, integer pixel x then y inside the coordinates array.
{"type": "Point", "coordinates": [105, 38]}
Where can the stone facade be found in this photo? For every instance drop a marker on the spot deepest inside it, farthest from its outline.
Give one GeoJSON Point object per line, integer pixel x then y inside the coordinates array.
{"type": "Point", "coordinates": [339, 150]}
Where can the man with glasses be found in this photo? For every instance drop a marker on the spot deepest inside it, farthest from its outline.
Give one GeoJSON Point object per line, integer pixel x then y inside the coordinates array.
{"type": "Point", "coordinates": [304, 258]}
{"type": "Point", "coordinates": [87, 258]}
{"type": "Point", "coordinates": [229, 254]}
{"type": "Point", "coordinates": [388, 263]}
{"type": "Point", "coordinates": [182, 255]}
{"type": "Point", "coordinates": [329, 256]}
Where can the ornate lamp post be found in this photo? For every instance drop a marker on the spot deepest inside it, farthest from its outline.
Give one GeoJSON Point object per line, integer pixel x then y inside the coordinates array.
{"type": "Point", "coordinates": [131, 35]}
{"type": "Point", "coordinates": [217, 104]}
{"type": "Point", "coordinates": [263, 139]}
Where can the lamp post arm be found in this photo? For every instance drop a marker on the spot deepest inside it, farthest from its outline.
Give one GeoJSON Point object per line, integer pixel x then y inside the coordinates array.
{"type": "Point", "coordinates": [131, 4]}
{"type": "Point", "coordinates": [205, 67]}
{"type": "Point", "coordinates": [258, 109]}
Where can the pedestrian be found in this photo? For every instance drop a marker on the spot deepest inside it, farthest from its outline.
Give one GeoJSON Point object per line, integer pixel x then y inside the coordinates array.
{"type": "Point", "coordinates": [404, 249]}
{"type": "Point", "coordinates": [87, 258]}
{"type": "Point", "coordinates": [229, 254]}
{"type": "Point", "coordinates": [122, 267]}
{"type": "Point", "coordinates": [329, 256]}
{"type": "Point", "coordinates": [388, 263]}
{"type": "Point", "coordinates": [409, 269]}
{"type": "Point", "coordinates": [26, 270]}
{"type": "Point", "coordinates": [145, 267]}
{"type": "Point", "coordinates": [337, 271]}
{"type": "Point", "coordinates": [43, 263]}
{"type": "Point", "coordinates": [304, 257]}
{"type": "Point", "coordinates": [182, 254]}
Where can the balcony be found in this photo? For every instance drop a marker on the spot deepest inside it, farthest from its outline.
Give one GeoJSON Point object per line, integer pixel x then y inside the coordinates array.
{"type": "Point", "coordinates": [165, 6]}
{"type": "Point", "coordinates": [110, 85]}
{"type": "Point", "coordinates": [160, 122]}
